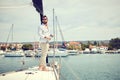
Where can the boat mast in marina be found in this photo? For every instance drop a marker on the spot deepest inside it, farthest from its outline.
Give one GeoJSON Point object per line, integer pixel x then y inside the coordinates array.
{"type": "Point", "coordinates": [10, 32]}
{"type": "Point", "coordinates": [60, 30]}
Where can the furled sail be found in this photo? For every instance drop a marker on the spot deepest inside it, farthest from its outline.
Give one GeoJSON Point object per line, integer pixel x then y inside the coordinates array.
{"type": "Point", "coordinates": [38, 4]}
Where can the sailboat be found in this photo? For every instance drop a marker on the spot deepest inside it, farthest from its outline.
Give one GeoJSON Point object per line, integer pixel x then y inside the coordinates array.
{"type": "Point", "coordinates": [58, 52]}
{"type": "Point", "coordinates": [13, 53]}
{"type": "Point", "coordinates": [33, 73]}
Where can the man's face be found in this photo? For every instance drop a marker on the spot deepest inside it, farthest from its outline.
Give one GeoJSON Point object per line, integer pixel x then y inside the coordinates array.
{"type": "Point", "coordinates": [44, 20]}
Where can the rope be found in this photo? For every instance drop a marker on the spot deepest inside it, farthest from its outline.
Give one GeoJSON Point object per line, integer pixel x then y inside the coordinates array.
{"type": "Point", "coordinates": [27, 77]}
{"type": "Point", "coordinates": [63, 77]}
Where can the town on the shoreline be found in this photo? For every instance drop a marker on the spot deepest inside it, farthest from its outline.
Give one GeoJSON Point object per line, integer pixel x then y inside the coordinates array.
{"type": "Point", "coordinates": [108, 46]}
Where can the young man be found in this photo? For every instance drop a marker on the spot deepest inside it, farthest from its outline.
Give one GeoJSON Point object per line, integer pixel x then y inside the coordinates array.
{"type": "Point", "coordinates": [45, 37]}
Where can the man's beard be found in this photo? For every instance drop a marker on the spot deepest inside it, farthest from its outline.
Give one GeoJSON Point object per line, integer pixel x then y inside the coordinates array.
{"type": "Point", "coordinates": [44, 22]}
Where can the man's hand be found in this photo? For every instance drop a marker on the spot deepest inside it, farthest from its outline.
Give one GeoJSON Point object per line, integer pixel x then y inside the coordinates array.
{"type": "Point", "coordinates": [48, 38]}
{"type": "Point", "coordinates": [51, 35]}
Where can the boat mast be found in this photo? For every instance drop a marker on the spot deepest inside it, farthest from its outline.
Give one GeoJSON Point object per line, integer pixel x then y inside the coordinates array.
{"type": "Point", "coordinates": [61, 33]}
{"type": "Point", "coordinates": [60, 29]}
{"type": "Point", "coordinates": [54, 37]}
{"type": "Point", "coordinates": [10, 32]}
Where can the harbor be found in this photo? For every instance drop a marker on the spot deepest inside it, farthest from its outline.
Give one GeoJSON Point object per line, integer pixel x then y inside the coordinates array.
{"type": "Point", "coordinates": [58, 53]}
{"type": "Point", "coordinates": [59, 40]}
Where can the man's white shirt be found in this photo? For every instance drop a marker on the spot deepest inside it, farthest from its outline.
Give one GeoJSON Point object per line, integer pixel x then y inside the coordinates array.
{"type": "Point", "coordinates": [43, 32]}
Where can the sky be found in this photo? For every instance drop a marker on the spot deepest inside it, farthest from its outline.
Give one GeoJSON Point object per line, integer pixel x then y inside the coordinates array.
{"type": "Point", "coordinates": [79, 19]}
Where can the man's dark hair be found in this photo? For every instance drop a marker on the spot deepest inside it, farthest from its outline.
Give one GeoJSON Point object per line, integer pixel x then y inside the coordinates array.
{"type": "Point", "coordinates": [44, 16]}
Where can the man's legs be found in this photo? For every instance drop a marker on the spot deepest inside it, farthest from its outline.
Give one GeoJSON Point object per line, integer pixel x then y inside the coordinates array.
{"type": "Point", "coordinates": [44, 47]}
{"type": "Point", "coordinates": [47, 59]}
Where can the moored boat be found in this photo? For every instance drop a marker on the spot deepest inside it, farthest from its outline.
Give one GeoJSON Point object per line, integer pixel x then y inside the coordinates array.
{"type": "Point", "coordinates": [29, 53]}
{"type": "Point", "coordinates": [58, 53]}
{"type": "Point", "coordinates": [73, 52]}
{"type": "Point", "coordinates": [86, 51]}
{"type": "Point", "coordinates": [14, 54]}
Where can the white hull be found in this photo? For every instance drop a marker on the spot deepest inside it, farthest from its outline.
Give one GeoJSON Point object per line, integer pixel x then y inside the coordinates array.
{"type": "Point", "coordinates": [14, 54]}
{"type": "Point", "coordinates": [72, 52]}
{"type": "Point", "coordinates": [52, 55]}
{"type": "Point", "coordinates": [86, 51]}
{"type": "Point", "coordinates": [30, 74]}
{"type": "Point", "coordinates": [57, 55]}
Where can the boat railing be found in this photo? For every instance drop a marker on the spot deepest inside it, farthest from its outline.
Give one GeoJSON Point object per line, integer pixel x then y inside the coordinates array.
{"type": "Point", "coordinates": [56, 69]}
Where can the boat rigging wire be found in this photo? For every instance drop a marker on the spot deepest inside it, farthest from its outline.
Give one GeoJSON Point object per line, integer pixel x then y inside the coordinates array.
{"type": "Point", "coordinates": [71, 70]}
{"type": "Point", "coordinates": [59, 28]}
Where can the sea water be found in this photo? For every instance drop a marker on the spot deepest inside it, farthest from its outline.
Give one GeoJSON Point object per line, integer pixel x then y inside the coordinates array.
{"type": "Point", "coordinates": [92, 67]}
{"type": "Point", "coordinates": [76, 67]}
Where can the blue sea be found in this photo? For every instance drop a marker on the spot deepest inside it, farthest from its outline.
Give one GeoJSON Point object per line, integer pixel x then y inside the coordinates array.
{"type": "Point", "coordinates": [76, 67]}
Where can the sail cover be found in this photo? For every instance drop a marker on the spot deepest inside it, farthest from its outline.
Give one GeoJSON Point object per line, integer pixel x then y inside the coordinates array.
{"type": "Point", "coordinates": [39, 7]}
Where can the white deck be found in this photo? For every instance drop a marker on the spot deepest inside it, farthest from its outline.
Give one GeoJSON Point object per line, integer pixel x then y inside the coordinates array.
{"type": "Point", "coordinates": [30, 74]}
